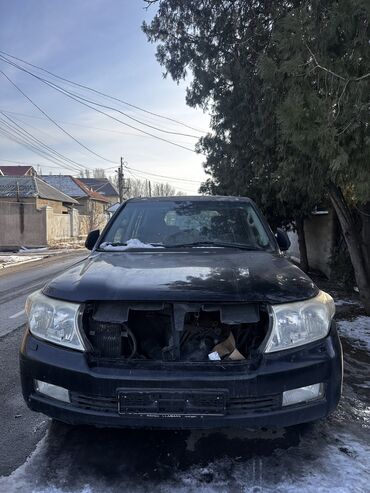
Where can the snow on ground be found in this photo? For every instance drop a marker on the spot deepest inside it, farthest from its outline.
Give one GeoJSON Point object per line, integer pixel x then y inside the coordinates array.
{"type": "Point", "coordinates": [322, 462]}
{"type": "Point", "coordinates": [347, 303]}
{"type": "Point", "coordinates": [357, 330]}
{"type": "Point", "coordinates": [331, 455]}
{"type": "Point", "coordinates": [32, 250]}
{"type": "Point", "coordinates": [9, 260]}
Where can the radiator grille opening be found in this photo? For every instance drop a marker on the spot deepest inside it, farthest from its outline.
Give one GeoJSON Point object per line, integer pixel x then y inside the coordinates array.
{"type": "Point", "coordinates": [175, 332]}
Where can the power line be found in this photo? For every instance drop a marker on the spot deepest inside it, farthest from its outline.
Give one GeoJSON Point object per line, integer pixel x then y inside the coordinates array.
{"type": "Point", "coordinates": [83, 166]}
{"type": "Point", "coordinates": [19, 162]}
{"type": "Point", "coordinates": [53, 121]}
{"type": "Point", "coordinates": [27, 139]}
{"type": "Point", "coordinates": [80, 100]}
{"type": "Point", "coordinates": [103, 105]}
{"type": "Point", "coordinates": [129, 168]}
{"type": "Point", "coordinates": [109, 130]}
{"type": "Point", "coordinates": [81, 96]}
{"type": "Point", "coordinates": [176, 187]}
{"type": "Point", "coordinates": [32, 147]}
{"type": "Point", "coordinates": [77, 166]}
{"type": "Point", "coordinates": [164, 176]}
{"type": "Point", "coordinates": [17, 137]}
{"type": "Point", "coordinates": [26, 142]}
{"type": "Point", "coordinates": [156, 182]}
{"type": "Point", "coordinates": [173, 178]}
{"type": "Point", "coordinates": [27, 163]}
{"type": "Point", "coordinates": [129, 116]}
{"type": "Point", "coordinates": [70, 95]}
{"type": "Point", "coordinates": [102, 93]}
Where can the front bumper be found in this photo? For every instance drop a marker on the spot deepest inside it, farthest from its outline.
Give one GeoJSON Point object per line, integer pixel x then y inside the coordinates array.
{"type": "Point", "coordinates": [252, 393]}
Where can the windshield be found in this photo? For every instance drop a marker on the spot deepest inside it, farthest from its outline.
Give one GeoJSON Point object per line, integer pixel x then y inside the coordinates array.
{"type": "Point", "coordinates": [189, 223]}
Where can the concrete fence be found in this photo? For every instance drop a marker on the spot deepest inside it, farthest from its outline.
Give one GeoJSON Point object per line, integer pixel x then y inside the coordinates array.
{"type": "Point", "coordinates": [88, 223]}
{"type": "Point", "coordinates": [58, 226]}
{"type": "Point", "coordinates": [320, 231]}
{"type": "Point", "coordinates": [22, 224]}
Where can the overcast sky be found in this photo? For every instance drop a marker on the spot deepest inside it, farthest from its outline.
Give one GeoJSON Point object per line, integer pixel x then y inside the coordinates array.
{"type": "Point", "coordinates": [98, 43]}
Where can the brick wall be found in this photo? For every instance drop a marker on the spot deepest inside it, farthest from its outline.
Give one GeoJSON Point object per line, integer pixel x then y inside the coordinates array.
{"type": "Point", "coordinates": [54, 204]}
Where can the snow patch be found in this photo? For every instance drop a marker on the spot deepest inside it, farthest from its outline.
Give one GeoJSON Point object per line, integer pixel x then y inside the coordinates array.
{"type": "Point", "coordinates": [346, 302]}
{"type": "Point", "coordinates": [357, 330]}
{"type": "Point", "coordinates": [325, 460]}
{"type": "Point", "coordinates": [8, 260]}
{"type": "Point", "coordinates": [130, 244]}
{"type": "Point", "coordinates": [33, 250]}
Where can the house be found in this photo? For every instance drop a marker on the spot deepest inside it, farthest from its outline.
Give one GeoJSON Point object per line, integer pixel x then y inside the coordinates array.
{"type": "Point", "coordinates": [91, 205]}
{"type": "Point", "coordinates": [17, 171]}
{"type": "Point", "coordinates": [103, 186]}
{"type": "Point", "coordinates": [33, 213]}
{"type": "Point", "coordinates": [88, 199]}
{"type": "Point", "coordinates": [33, 190]}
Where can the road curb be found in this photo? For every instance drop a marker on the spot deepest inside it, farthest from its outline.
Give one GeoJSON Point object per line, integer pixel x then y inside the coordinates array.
{"type": "Point", "coordinates": [45, 258]}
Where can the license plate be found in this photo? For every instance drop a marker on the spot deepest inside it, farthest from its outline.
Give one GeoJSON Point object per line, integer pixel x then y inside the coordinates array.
{"type": "Point", "coordinates": [171, 403]}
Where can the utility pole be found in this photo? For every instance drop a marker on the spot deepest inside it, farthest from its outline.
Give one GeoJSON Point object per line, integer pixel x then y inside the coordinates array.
{"type": "Point", "coordinates": [150, 189]}
{"type": "Point", "coordinates": [121, 182]}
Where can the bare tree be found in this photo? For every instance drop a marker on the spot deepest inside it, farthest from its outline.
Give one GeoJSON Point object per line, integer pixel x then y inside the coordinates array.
{"type": "Point", "coordinates": [99, 173]}
{"type": "Point", "coordinates": [163, 190]}
{"type": "Point", "coordinates": [135, 187]}
{"type": "Point", "coordinates": [96, 218]}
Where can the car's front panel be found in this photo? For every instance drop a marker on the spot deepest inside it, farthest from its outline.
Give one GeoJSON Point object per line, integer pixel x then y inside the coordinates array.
{"type": "Point", "coordinates": [183, 394]}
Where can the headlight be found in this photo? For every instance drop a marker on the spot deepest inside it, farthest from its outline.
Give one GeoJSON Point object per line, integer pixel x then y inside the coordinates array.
{"type": "Point", "coordinates": [54, 320]}
{"type": "Point", "coordinates": [301, 322]}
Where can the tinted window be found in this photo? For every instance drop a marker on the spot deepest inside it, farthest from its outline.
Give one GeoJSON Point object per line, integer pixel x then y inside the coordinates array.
{"type": "Point", "coordinates": [177, 222]}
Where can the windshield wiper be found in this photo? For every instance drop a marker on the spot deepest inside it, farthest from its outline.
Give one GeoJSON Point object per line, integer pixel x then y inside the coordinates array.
{"type": "Point", "coordinates": [219, 244]}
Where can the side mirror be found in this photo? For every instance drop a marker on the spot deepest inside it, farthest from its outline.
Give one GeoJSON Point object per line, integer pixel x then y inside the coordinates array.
{"type": "Point", "coordinates": [92, 238]}
{"type": "Point", "coordinates": [282, 239]}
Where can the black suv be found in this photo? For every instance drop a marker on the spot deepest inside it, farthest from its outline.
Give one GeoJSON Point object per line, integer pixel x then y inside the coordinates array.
{"type": "Point", "coordinates": [185, 315]}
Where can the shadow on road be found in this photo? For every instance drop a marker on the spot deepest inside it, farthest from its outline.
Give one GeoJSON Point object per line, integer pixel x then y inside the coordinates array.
{"type": "Point", "coordinates": [154, 455]}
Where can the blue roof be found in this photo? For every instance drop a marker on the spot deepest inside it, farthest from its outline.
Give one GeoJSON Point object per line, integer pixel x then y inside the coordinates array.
{"type": "Point", "coordinates": [101, 185]}
{"type": "Point", "coordinates": [65, 184]}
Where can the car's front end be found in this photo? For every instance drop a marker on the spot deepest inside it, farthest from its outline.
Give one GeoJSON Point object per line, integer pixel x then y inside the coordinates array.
{"type": "Point", "coordinates": [185, 315]}
{"type": "Point", "coordinates": [76, 371]}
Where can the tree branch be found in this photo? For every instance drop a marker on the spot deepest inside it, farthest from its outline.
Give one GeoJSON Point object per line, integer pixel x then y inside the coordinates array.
{"type": "Point", "coordinates": [341, 96]}
{"type": "Point", "coordinates": [317, 65]}
{"type": "Point", "coordinates": [365, 76]}
{"type": "Point", "coordinates": [344, 129]}
{"type": "Point", "coordinates": [149, 3]}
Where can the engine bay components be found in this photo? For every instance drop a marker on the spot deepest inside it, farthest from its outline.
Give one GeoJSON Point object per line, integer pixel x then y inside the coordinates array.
{"type": "Point", "coordinates": [175, 332]}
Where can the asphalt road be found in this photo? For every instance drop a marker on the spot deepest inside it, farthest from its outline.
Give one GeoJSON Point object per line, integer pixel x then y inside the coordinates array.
{"type": "Point", "coordinates": [329, 455]}
{"type": "Point", "coordinates": [20, 428]}
{"type": "Point", "coordinates": [17, 282]}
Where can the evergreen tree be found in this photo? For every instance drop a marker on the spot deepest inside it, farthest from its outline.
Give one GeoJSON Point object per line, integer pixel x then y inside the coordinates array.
{"type": "Point", "coordinates": [321, 65]}
{"type": "Point", "coordinates": [287, 87]}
